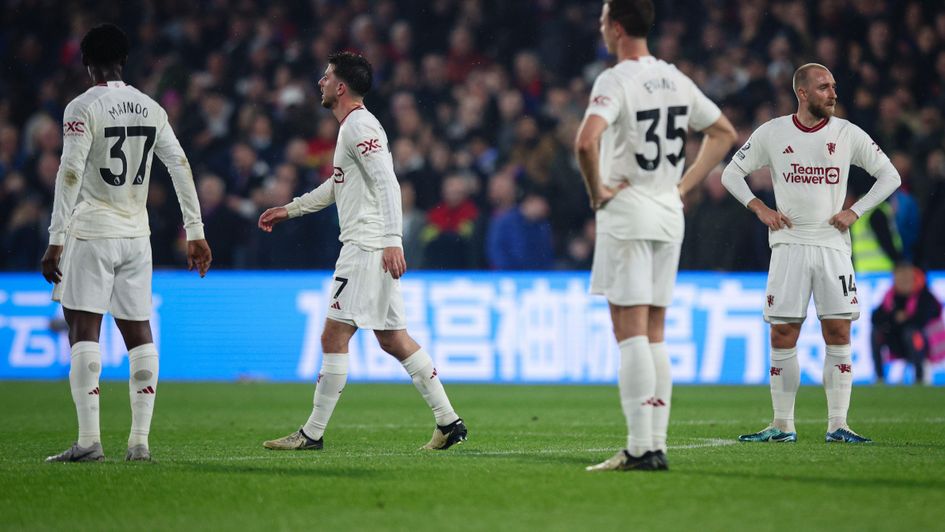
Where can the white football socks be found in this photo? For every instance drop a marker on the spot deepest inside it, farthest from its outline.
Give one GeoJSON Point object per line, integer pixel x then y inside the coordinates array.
{"type": "Point", "coordinates": [142, 387]}
{"type": "Point", "coordinates": [663, 395]}
{"type": "Point", "coordinates": [331, 382]}
{"type": "Point", "coordinates": [420, 368]}
{"type": "Point", "coordinates": [85, 368]}
{"type": "Point", "coordinates": [785, 380]}
{"type": "Point", "coordinates": [637, 384]}
{"type": "Point", "coordinates": [838, 384]}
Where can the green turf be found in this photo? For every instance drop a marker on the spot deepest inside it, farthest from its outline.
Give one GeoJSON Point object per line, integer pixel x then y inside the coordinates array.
{"type": "Point", "coordinates": [521, 469]}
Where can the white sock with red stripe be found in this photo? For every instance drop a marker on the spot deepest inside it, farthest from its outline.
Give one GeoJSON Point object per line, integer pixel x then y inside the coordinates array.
{"type": "Point", "coordinates": [838, 383]}
{"type": "Point", "coordinates": [85, 368]}
{"type": "Point", "coordinates": [331, 382]}
{"type": "Point", "coordinates": [785, 380]}
{"type": "Point", "coordinates": [420, 368]}
{"type": "Point", "coordinates": [637, 384]}
{"type": "Point", "coordinates": [142, 388]}
{"type": "Point", "coordinates": [663, 396]}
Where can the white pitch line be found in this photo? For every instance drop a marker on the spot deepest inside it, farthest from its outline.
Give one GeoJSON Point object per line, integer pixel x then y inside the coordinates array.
{"type": "Point", "coordinates": [703, 443]}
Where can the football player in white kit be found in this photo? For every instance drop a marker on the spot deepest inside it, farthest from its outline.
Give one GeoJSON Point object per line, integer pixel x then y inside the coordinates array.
{"type": "Point", "coordinates": [631, 149]}
{"type": "Point", "coordinates": [366, 291]}
{"type": "Point", "coordinates": [809, 154]}
{"type": "Point", "coordinates": [99, 253]}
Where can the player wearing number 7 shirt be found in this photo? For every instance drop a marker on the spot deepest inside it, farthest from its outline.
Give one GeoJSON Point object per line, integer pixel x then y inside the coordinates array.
{"type": "Point", "coordinates": [631, 149]}
{"type": "Point", "coordinates": [366, 292]}
{"type": "Point", "coordinates": [99, 253]}
{"type": "Point", "coordinates": [809, 154]}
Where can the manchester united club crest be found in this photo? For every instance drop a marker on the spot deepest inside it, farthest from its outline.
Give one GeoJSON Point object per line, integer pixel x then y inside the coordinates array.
{"type": "Point", "coordinates": [831, 147]}
{"type": "Point", "coordinates": [770, 300]}
{"type": "Point", "coordinates": [775, 372]}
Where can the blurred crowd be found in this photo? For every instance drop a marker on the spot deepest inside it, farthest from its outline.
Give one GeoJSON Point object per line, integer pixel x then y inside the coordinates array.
{"type": "Point", "coordinates": [481, 100]}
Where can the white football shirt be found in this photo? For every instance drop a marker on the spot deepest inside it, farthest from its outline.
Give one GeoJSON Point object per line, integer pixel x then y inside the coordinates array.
{"type": "Point", "coordinates": [810, 168]}
{"type": "Point", "coordinates": [110, 134]}
{"type": "Point", "coordinates": [363, 185]}
{"type": "Point", "coordinates": [649, 107]}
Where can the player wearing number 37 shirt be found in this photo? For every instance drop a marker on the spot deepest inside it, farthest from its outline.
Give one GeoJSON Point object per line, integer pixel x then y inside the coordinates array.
{"type": "Point", "coordinates": [99, 253]}
{"type": "Point", "coordinates": [366, 289]}
{"type": "Point", "coordinates": [809, 155]}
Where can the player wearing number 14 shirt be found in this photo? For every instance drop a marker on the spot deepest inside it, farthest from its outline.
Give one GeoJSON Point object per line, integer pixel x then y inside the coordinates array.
{"type": "Point", "coordinates": [99, 253]}
{"type": "Point", "coordinates": [366, 290]}
{"type": "Point", "coordinates": [809, 154]}
{"type": "Point", "coordinates": [631, 149]}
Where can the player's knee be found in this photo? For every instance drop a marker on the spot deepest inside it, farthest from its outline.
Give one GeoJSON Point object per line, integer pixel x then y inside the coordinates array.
{"type": "Point", "coordinates": [331, 343]}
{"type": "Point", "coordinates": [836, 336]}
{"type": "Point", "coordinates": [783, 336]}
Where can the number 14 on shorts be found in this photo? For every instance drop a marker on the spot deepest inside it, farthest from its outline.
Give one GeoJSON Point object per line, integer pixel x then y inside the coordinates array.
{"type": "Point", "coordinates": [848, 283]}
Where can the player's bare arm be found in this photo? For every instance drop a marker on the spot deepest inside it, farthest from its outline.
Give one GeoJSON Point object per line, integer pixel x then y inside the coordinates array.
{"type": "Point", "coordinates": [587, 148]}
{"type": "Point", "coordinates": [718, 141]}
{"type": "Point", "coordinates": [773, 219]}
{"type": "Point", "coordinates": [50, 264]}
{"type": "Point", "coordinates": [272, 217]}
{"type": "Point", "coordinates": [394, 262]}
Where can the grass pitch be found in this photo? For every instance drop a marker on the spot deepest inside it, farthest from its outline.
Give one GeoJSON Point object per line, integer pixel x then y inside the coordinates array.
{"type": "Point", "coordinates": [522, 468]}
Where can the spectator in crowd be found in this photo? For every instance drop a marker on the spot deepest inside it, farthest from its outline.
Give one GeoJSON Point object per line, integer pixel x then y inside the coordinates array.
{"type": "Point", "coordinates": [908, 323]}
{"type": "Point", "coordinates": [222, 225]}
{"type": "Point", "coordinates": [414, 222]}
{"type": "Point", "coordinates": [450, 226]}
{"type": "Point", "coordinates": [715, 228]}
{"type": "Point", "coordinates": [520, 237]}
{"type": "Point", "coordinates": [877, 246]}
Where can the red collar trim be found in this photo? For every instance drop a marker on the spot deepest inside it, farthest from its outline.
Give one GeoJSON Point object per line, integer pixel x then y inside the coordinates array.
{"type": "Point", "coordinates": [816, 127]}
{"type": "Point", "coordinates": [349, 112]}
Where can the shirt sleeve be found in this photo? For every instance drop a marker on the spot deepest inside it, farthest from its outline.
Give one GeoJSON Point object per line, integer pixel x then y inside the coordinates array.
{"type": "Point", "coordinates": [704, 112]}
{"type": "Point", "coordinates": [313, 201]}
{"type": "Point", "coordinates": [606, 98]}
{"type": "Point", "coordinates": [750, 157]}
{"type": "Point", "coordinates": [367, 145]}
{"type": "Point", "coordinates": [867, 155]}
{"type": "Point", "coordinates": [76, 143]}
{"type": "Point", "coordinates": [168, 150]}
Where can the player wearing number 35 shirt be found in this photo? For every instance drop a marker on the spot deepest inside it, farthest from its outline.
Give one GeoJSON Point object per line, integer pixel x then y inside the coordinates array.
{"type": "Point", "coordinates": [99, 253]}
{"type": "Point", "coordinates": [809, 155]}
{"type": "Point", "coordinates": [631, 148]}
{"type": "Point", "coordinates": [366, 289]}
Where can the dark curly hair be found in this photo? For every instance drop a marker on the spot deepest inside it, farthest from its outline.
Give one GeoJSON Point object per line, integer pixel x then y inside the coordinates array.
{"type": "Point", "coordinates": [105, 45]}
{"type": "Point", "coordinates": [354, 70]}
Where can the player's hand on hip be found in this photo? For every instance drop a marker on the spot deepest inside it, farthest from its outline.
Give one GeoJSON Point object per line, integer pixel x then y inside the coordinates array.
{"type": "Point", "coordinates": [199, 256]}
{"type": "Point", "coordinates": [50, 264]}
{"type": "Point", "coordinates": [773, 219]}
{"type": "Point", "coordinates": [394, 262]}
{"type": "Point", "coordinates": [844, 219]}
{"type": "Point", "coordinates": [605, 194]}
{"type": "Point", "coordinates": [271, 217]}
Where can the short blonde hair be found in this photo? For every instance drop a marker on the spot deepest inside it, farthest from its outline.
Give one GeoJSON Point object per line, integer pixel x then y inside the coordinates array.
{"type": "Point", "coordinates": [800, 75]}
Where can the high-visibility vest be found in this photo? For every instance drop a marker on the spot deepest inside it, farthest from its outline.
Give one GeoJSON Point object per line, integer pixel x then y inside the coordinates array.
{"type": "Point", "coordinates": [868, 255]}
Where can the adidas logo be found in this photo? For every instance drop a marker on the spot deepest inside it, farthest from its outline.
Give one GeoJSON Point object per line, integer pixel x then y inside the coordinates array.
{"type": "Point", "coordinates": [853, 301]}
{"type": "Point", "coordinates": [789, 149]}
{"type": "Point", "coordinates": [146, 390]}
{"type": "Point", "coordinates": [94, 392]}
{"type": "Point", "coordinates": [336, 305]}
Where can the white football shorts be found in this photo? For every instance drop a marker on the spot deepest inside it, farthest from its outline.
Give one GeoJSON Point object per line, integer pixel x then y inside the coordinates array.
{"type": "Point", "coordinates": [797, 271]}
{"type": "Point", "coordinates": [635, 272]}
{"type": "Point", "coordinates": [363, 294]}
{"type": "Point", "coordinates": [107, 275]}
